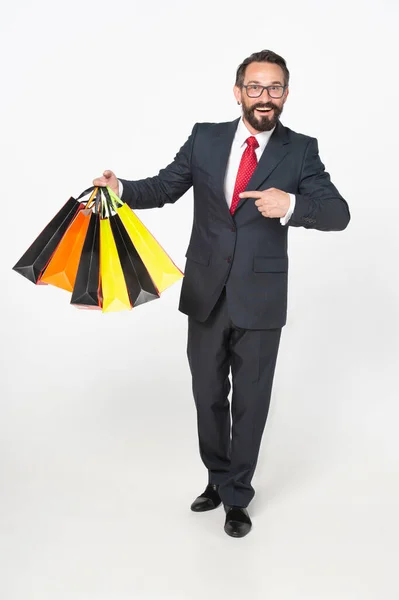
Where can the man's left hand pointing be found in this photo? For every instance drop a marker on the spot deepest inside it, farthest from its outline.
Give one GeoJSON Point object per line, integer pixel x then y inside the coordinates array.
{"type": "Point", "coordinates": [272, 203]}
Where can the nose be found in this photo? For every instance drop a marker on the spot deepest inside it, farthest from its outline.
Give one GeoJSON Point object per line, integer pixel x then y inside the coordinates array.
{"type": "Point", "coordinates": [265, 99]}
{"type": "Point", "coordinates": [265, 94]}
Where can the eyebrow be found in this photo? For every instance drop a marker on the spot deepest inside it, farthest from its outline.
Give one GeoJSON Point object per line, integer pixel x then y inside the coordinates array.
{"type": "Point", "coordinates": [272, 83]}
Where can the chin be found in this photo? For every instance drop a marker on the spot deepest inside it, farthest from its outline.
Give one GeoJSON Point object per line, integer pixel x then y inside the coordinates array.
{"type": "Point", "coordinates": [266, 125]}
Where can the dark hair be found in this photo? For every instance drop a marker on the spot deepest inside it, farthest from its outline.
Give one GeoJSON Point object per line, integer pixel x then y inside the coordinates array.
{"type": "Point", "coordinates": [262, 56]}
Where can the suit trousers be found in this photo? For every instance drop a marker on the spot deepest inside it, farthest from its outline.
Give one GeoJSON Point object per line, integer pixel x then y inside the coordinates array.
{"type": "Point", "coordinates": [230, 435]}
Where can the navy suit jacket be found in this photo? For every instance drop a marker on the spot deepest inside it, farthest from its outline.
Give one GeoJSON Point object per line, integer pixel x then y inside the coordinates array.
{"type": "Point", "coordinates": [246, 252]}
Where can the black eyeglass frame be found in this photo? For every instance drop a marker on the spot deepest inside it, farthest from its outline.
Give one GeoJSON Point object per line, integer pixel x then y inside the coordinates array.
{"type": "Point", "coordinates": [265, 87]}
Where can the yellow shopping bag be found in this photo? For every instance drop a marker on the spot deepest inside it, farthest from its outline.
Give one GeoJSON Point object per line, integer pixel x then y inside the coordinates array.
{"type": "Point", "coordinates": [114, 291]}
{"type": "Point", "coordinates": [160, 266]}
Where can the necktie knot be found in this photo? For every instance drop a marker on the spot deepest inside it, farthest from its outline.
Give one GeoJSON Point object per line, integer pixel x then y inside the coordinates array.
{"type": "Point", "coordinates": [252, 142]}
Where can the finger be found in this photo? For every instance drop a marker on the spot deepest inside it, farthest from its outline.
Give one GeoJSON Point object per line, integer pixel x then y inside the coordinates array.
{"type": "Point", "coordinates": [250, 195]}
{"type": "Point", "coordinates": [108, 174]}
{"type": "Point", "coordinates": [266, 212]}
{"type": "Point", "coordinates": [100, 181]}
{"type": "Point", "coordinates": [264, 206]}
{"type": "Point", "coordinates": [270, 214]}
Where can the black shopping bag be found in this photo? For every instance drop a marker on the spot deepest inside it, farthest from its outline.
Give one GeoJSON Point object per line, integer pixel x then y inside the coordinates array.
{"type": "Point", "coordinates": [33, 262]}
{"type": "Point", "coordinates": [87, 289]}
{"type": "Point", "coordinates": [139, 283]}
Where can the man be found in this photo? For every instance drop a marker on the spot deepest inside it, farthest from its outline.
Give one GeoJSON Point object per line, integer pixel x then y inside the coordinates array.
{"type": "Point", "coordinates": [235, 286]}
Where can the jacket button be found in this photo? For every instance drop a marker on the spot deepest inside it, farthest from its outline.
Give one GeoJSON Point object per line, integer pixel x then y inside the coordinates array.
{"type": "Point", "coordinates": [233, 229]}
{"type": "Point", "coordinates": [228, 259]}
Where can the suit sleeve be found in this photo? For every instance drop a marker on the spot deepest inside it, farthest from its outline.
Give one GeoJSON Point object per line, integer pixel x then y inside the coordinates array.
{"type": "Point", "coordinates": [166, 187]}
{"type": "Point", "coordinates": [319, 205]}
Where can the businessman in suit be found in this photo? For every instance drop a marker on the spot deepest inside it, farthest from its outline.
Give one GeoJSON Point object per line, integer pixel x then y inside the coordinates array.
{"type": "Point", "coordinates": [252, 178]}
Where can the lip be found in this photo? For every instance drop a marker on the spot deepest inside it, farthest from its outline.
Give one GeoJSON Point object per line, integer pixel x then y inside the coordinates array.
{"type": "Point", "coordinates": [264, 112]}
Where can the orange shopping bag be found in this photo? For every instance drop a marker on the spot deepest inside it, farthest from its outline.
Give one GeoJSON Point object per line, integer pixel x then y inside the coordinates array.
{"type": "Point", "coordinates": [63, 266]}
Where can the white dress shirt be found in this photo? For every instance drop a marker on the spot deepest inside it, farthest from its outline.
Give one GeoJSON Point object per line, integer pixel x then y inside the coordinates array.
{"type": "Point", "coordinates": [233, 163]}
{"type": "Point", "coordinates": [237, 149]}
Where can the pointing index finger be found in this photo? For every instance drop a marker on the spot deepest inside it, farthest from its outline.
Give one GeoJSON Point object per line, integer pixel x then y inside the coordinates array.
{"type": "Point", "coordinates": [250, 195]}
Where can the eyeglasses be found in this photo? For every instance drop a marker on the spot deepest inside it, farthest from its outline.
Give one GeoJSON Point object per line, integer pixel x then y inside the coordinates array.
{"type": "Point", "coordinates": [255, 91]}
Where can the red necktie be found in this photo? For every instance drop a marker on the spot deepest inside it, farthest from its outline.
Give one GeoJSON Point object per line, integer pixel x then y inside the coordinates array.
{"type": "Point", "coordinates": [247, 167]}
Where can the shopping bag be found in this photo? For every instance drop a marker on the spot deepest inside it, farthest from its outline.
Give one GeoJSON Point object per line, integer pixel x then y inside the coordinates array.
{"type": "Point", "coordinates": [63, 266]}
{"type": "Point", "coordinates": [139, 283]}
{"type": "Point", "coordinates": [33, 262]}
{"type": "Point", "coordinates": [159, 265]}
{"type": "Point", "coordinates": [113, 285]}
{"type": "Point", "coordinates": [101, 252]}
{"type": "Point", "coordinates": [87, 289]}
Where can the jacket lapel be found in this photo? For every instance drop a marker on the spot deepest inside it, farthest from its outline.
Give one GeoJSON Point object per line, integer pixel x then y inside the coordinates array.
{"type": "Point", "coordinates": [221, 152]}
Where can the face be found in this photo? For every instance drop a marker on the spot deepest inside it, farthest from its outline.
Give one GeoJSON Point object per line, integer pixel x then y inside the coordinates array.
{"type": "Point", "coordinates": [261, 73]}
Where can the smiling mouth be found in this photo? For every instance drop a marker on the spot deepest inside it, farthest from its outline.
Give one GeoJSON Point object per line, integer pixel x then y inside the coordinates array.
{"type": "Point", "coordinates": [263, 110]}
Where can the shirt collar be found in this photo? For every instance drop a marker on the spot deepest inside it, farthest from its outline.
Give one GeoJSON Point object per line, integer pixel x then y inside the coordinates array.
{"type": "Point", "coordinates": [243, 133]}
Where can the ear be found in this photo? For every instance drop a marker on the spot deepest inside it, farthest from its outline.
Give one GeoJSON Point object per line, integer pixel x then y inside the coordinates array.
{"type": "Point", "coordinates": [237, 94]}
{"type": "Point", "coordinates": [287, 91]}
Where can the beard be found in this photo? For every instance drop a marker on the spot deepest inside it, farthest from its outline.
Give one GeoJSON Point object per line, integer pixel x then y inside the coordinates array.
{"type": "Point", "coordinates": [264, 122]}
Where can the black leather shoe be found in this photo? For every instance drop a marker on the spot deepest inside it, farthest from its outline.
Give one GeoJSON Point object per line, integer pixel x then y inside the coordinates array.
{"type": "Point", "coordinates": [237, 522]}
{"type": "Point", "coordinates": [208, 500]}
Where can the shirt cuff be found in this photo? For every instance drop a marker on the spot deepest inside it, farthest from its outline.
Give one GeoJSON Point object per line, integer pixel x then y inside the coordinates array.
{"type": "Point", "coordinates": [284, 220]}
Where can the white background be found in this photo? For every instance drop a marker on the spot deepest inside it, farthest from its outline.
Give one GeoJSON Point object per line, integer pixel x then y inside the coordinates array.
{"type": "Point", "coordinates": [99, 455]}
